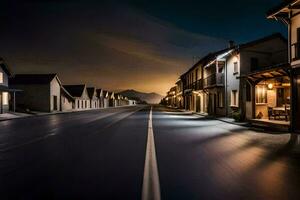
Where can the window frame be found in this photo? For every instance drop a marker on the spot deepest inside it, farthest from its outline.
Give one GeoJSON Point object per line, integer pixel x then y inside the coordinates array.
{"type": "Point", "coordinates": [235, 68]}
{"type": "Point", "coordinates": [263, 93]}
{"type": "Point", "coordinates": [234, 98]}
{"type": "Point", "coordinates": [1, 77]}
{"type": "Point", "coordinates": [5, 99]}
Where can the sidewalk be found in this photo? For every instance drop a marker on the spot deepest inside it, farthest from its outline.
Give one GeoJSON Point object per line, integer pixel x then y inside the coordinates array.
{"type": "Point", "coordinates": [223, 119]}
{"type": "Point", "coordinates": [16, 115]}
{"type": "Point", "coordinates": [13, 115]}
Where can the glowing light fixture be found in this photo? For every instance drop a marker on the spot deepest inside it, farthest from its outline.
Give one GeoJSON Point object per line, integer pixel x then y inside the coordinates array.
{"type": "Point", "coordinates": [270, 86]}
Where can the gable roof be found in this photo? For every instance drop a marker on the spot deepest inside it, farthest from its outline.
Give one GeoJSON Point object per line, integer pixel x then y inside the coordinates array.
{"type": "Point", "coordinates": [4, 67]}
{"type": "Point", "coordinates": [211, 56]}
{"type": "Point", "coordinates": [279, 7]}
{"type": "Point", "coordinates": [91, 91]}
{"type": "Point", "coordinates": [31, 79]}
{"type": "Point", "coordinates": [75, 90]}
{"type": "Point", "coordinates": [99, 91]}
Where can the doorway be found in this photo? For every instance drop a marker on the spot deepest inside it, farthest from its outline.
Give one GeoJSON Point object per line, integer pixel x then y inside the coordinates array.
{"type": "Point", "coordinates": [54, 102]}
{"type": "Point", "coordinates": [198, 104]}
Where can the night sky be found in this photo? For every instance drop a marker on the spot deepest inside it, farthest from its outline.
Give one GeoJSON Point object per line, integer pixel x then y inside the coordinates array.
{"type": "Point", "coordinates": [139, 44]}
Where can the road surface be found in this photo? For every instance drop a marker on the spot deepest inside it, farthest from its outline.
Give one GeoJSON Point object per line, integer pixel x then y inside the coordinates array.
{"type": "Point", "coordinates": [102, 155]}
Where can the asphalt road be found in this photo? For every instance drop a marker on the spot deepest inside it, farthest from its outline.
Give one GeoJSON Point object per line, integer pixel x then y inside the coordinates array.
{"type": "Point", "coordinates": [101, 155]}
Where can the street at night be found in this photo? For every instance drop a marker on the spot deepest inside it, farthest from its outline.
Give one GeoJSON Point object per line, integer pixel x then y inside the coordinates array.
{"type": "Point", "coordinates": [100, 154]}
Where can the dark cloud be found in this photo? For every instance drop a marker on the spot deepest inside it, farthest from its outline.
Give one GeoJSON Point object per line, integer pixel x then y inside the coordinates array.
{"type": "Point", "coordinates": [112, 44]}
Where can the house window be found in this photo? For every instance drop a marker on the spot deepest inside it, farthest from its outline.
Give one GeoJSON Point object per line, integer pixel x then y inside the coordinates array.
{"type": "Point", "coordinates": [82, 104]}
{"type": "Point", "coordinates": [254, 64]}
{"type": "Point", "coordinates": [5, 98]}
{"type": "Point", "coordinates": [261, 94]}
{"type": "Point", "coordinates": [85, 104]}
{"type": "Point", "coordinates": [1, 77]}
{"type": "Point", "coordinates": [220, 99]}
{"type": "Point", "coordinates": [78, 104]}
{"type": "Point", "coordinates": [235, 68]}
{"type": "Point", "coordinates": [234, 98]}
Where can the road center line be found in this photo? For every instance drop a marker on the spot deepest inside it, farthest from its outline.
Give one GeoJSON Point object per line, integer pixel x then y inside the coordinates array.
{"type": "Point", "coordinates": [151, 186]}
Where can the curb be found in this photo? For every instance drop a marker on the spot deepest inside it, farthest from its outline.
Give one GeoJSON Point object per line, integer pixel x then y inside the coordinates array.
{"type": "Point", "coordinates": [59, 113]}
{"type": "Point", "coordinates": [245, 124]}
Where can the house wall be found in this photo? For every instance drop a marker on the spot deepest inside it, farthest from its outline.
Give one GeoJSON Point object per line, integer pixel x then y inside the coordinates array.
{"type": "Point", "coordinates": [295, 24]}
{"type": "Point", "coordinates": [4, 108]}
{"type": "Point", "coordinates": [5, 77]}
{"type": "Point", "coordinates": [33, 97]}
{"type": "Point", "coordinates": [268, 53]}
{"type": "Point", "coordinates": [106, 102]}
{"type": "Point", "coordinates": [54, 91]}
{"type": "Point", "coordinates": [66, 104]}
{"type": "Point", "coordinates": [232, 81]}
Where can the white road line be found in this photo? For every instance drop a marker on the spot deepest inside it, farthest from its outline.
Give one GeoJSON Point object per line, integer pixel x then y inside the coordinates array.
{"type": "Point", "coordinates": [151, 186]}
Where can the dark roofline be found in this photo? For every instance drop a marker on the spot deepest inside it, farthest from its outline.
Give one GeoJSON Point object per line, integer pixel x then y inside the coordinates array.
{"type": "Point", "coordinates": [260, 40]}
{"type": "Point", "coordinates": [213, 55]}
{"type": "Point", "coordinates": [205, 59]}
{"type": "Point", "coordinates": [70, 87]}
{"type": "Point", "coordinates": [5, 67]}
{"type": "Point", "coordinates": [92, 90]}
{"type": "Point", "coordinates": [279, 7]}
{"type": "Point", "coordinates": [28, 79]}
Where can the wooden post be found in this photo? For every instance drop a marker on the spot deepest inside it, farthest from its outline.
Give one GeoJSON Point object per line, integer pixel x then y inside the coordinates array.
{"type": "Point", "coordinates": [14, 109]}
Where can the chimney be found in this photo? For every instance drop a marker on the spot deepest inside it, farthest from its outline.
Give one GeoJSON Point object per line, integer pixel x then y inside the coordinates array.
{"type": "Point", "coordinates": [231, 44]}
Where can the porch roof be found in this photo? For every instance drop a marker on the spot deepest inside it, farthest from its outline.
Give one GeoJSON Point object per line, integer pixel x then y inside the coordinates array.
{"type": "Point", "coordinates": [269, 72]}
{"type": "Point", "coordinates": [4, 88]}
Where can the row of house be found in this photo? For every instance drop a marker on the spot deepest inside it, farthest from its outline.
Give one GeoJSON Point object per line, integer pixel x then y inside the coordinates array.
{"type": "Point", "coordinates": [258, 81]}
{"type": "Point", "coordinates": [46, 93]}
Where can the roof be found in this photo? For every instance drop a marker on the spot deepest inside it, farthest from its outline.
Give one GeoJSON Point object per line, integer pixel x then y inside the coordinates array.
{"type": "Point", "coordinates": [75, 90]}
{"type": "Point", "coordinates": [261, 40]}
{"type": "Point", "coordinates": [280, 6]}
{"type": "Point", "coordinates": [213, 55]}
{"type": "Point", "coordinates": [22, 79]}
{"type": "Point", "coordinates": [98, 91]}
{"type": "Point", "coordinates": [67, 94]}
{"type": "Point", "coordinates": [274, 71]}
{"type": "Point", "coordinates": [91, 91]}
{"type": "Point", "coordinates": [4, 66]}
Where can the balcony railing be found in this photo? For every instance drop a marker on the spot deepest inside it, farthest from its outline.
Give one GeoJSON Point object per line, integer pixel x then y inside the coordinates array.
{"type": "Point", "coordinates": [216, 79]}
{"type": "Point", "coordinates": [197, 85]}
{"type": "Point", "coordinates": [295, 54]}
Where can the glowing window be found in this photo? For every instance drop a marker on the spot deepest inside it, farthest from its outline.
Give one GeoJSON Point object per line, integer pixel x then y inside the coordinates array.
{"type": "Point", "coordinates": [5, 98]}
{"type": "Point", "coordinates": [261, 94]}
{"type": "Point", "coordinates": [1, 77]}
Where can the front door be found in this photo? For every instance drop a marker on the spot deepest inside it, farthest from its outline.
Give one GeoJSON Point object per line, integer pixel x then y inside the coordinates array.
{"type": "Point", "coordinates": [54, 102]}
{"type": "Point", "coordinates": [198, 106]}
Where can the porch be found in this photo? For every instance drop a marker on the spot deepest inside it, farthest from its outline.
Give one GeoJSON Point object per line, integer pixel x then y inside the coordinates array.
{"type": "Point", "coordinates": [271, 97]}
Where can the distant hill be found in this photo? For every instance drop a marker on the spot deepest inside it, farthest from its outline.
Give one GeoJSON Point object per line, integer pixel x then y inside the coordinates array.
{"type": "Point", "coordinates": [151, 98]}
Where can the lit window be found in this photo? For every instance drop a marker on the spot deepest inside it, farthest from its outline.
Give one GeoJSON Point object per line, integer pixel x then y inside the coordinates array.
{"type": "Point", "coordinates": [261, 94]}
{"type": "Point", "coordinates": [1, 77]}
{"type": "Point", "coordinates": [5, 98]}
{"type": "Point", "coordinates": [234, 98]}
{"type": "Point", "coordinates": [235, 68]}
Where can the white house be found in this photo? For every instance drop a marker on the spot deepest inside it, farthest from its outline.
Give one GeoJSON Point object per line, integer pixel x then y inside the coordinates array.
{"type": "Point", "coordinates": [79, 92]}
{"type": "Point", "coordinates": [288, 13]}
{"type": "Point", "coordinates": [106, 98]}
{"type": "Point", "coordinates": [4, 89]}
{"type": "Point", "coordinates": [94, 100]}
{"type": "Point", "coordinates": [40, 92]}
{"type": "Point", "coordinates": [67, 100]}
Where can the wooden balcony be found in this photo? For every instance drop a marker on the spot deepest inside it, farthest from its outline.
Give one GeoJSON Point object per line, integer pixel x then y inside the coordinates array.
{"type": "Point", "coordinates": [197, 85]}
{"type": "Point", "coordinates": [214, 80]}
